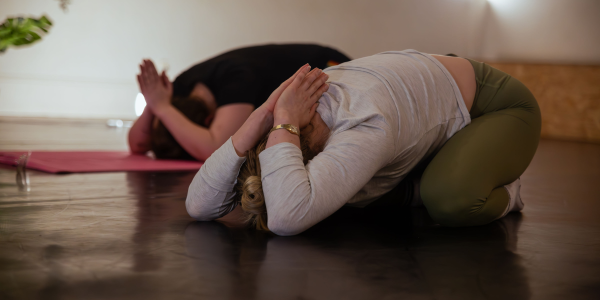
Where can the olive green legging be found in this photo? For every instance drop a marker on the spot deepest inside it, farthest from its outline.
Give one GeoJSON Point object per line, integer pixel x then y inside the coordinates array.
{"type": "Point", "coordinates": [463, 183]}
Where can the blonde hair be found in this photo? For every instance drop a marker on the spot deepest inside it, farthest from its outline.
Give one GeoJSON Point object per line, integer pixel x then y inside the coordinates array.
{"type": "Point", "coordinates": [249, 192]}
{"type": "Point", "coordinates": [249, 188]}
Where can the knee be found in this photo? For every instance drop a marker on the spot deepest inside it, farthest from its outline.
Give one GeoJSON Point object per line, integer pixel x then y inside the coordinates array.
{"type": "Point", "coordinates": [448, 203]}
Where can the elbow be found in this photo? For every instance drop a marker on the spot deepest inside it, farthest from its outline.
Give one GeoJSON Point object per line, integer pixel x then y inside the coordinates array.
{"type": "Point", "coordinates": [289, 220]}
{"type": "Point", "coordinates": [139, 147]}
{"type": "Point", "coordinates": [195, 211]}
{"type": "Point", "coordinates": [137, 151]}
{"type": "Point", "coordinates": [204, 152]}
{"type": "Point", "coordinates": [200, 155]}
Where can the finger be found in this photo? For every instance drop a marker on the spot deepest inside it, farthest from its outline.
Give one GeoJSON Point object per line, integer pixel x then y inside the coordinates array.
{"type": "Point", "coordinates": [277, 92]}
{"type": "Point", "coordinates": [298, 71]}
{"type": "Point", "coordinates": [140, 83]}
{"type": "Point", "coordinates": [142, 68]}
{"type": "Point", "coordinates": [289, 80]}
{"type": "Point", "coordinates": [169, 84]}
{"type": "Point", "coordinates": [147, 74]}
{"type": "Point", "coordinates": [300, 76]}
{"type": "Point", "coordinates": [317, 83]}
{"type": "Point", "coordinates": [313, 110]}
{"type": "Point", "coordinates": [319, 92]}
{"type": "Point", "coordinates": [286, 83]}
{"type": "Point", "coordinates": [152, 70]}
{"type": "Point", "coordinates": [144, 73]}
{"type": "Point", "coordinates": [164, 79]}
{"type": "Point", "coordinates": [310, 78]}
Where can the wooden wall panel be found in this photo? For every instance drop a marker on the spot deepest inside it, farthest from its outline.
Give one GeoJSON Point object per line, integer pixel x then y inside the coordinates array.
{"type": "Point", "coordinates": [569, 97]}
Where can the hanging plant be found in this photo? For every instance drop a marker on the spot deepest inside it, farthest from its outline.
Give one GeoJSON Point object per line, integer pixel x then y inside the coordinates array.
{"type": "Point", "coordinates": [22, 31]}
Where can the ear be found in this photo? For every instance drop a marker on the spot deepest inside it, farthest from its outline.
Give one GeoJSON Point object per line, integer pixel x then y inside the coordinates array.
{"type": "Point", "coordinates": [209, 120]}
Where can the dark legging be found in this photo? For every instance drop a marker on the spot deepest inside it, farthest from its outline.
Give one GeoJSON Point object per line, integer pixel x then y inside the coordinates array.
{"type": "Point", "coordinates": [463, 183]}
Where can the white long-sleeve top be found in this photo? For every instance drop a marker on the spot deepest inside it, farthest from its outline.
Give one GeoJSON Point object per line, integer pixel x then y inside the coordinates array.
{"type": "Point", "coordinates": [386, 113]}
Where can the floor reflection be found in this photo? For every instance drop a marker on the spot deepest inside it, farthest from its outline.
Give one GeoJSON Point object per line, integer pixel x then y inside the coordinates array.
{"type": "Point", "coordinates": [51, 256]}
{"type": "Point", "coordinates": [361, 254]}
{"type": "Point", "coordinates": [126, 235]}
{"type": "Point", "coordinates": [473, 263]}
{"type": "Point", "coordinates": [160, 200]}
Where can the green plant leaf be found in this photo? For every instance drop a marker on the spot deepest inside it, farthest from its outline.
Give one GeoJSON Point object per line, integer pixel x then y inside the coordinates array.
{"type": "Point", "coordinates": [22, 31]}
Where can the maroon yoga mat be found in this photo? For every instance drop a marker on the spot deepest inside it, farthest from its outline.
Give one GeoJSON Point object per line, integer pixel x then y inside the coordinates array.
{"type": "Point", "coordinates": [96, 161]}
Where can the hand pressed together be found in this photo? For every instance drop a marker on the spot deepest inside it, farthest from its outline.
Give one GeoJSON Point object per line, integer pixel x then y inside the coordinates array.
{"type": "Point", "coordinates": [157, 89]}
{"type": "Point", "coordinates": [298, 102]}
{"type": "Point", "coordinates": [301, 92]}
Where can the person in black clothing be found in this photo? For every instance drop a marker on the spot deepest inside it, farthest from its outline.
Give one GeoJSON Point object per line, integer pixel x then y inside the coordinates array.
{"type": "Point", "coordinates": [194, 115]}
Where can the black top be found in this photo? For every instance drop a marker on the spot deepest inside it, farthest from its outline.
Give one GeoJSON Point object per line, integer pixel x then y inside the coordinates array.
{"type": "Point", "coordinates": [250, 75]}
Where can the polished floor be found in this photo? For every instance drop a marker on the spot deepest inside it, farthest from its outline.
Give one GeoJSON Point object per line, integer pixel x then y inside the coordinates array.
{"type": "Point", "coordinates": [127, 236]}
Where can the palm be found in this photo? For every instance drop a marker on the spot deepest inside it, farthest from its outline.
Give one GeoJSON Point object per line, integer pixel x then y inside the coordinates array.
{"type": "Point", "coordinates": [156, 88]}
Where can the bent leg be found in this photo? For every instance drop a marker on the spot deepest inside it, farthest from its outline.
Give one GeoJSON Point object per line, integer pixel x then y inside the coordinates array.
{"type": "Point", "coordinates": [463, 184]}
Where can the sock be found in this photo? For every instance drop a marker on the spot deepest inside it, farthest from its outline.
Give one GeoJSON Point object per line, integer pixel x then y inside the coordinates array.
{"type": "Point", "coordinates": [514, 193]}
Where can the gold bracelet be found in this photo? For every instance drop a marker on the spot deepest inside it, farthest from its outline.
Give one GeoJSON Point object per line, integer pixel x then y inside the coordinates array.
{"type": "Point", "coordinates": [289, 127]}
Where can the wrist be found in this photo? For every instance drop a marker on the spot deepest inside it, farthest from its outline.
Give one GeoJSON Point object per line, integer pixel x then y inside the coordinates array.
{"type": "Point", "coordinates": [262, 113]}
{"type": "Point", "coordinates": [255, 127]}
{"type": "Point", "coordinates": [161, 110]}
{"type": "Point", "coordinates": [284, 118]}
{"type": "Point", "coordinates": [241, 152]}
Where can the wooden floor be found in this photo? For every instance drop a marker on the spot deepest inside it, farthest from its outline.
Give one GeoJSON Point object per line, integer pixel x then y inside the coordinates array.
{"type": "Point", "coordinates": [127, 236]}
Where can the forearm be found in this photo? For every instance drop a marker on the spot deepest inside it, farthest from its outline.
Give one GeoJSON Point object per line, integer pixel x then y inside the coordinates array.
{"type": "Point", "coordinates": [196, 140]}
{"type": "Point", "coordinates": [252, 131]}
{"type": "Point", "coordinates": [211, 193]}
{"type": "Point", "coordinates": [140, 138]}
{"type": "Point", "coordinates": [295, 198]}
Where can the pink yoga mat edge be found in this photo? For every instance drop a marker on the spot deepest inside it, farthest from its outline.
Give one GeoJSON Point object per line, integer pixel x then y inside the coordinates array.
{"type": "Point", "coordinates": [95, 161]}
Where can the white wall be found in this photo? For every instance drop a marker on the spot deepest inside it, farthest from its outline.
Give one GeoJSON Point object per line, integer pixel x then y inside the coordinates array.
{"type": "Point", "coordinates": [542, 31]}
{"type": "Point", "coordinates": [86, 66]}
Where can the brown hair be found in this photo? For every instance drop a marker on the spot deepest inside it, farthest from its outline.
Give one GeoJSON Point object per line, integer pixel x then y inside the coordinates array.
{"type": "Point", "coordinates": [249, 192]}
{"type": "Point", "coordinates": [164, 144]}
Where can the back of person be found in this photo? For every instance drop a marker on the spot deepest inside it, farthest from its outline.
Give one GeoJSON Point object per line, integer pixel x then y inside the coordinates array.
{"type": "Point", "coordinates": [251, 74]}
{"type": "Point", "coordinates": [407, 98]}
{"type": "Point", "coordinates": [211, 100]}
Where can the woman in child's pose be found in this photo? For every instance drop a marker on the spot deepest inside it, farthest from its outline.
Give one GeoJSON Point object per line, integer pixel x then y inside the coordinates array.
{"type": "Point", "coordinates": [193, 116]}
{"type": "Point", "coordinates": [350, 140]}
